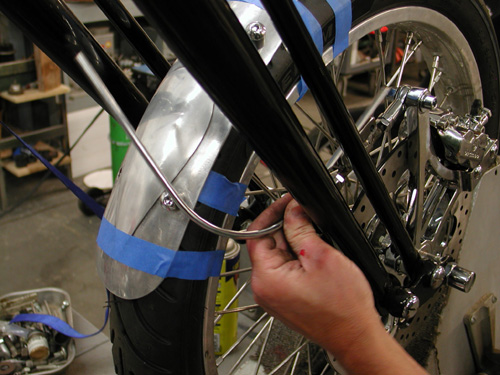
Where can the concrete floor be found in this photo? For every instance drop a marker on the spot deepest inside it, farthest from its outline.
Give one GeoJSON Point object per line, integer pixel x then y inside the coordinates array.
{"type": "Point", "coordinates": [48, 242]}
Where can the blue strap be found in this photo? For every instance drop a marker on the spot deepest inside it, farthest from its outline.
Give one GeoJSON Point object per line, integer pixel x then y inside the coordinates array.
{"type": "Point", "coordinates": [84, 197]}
{"type": "Point", "coordinates": [222, 194]}
{"type": "Point", "coordinates": [58, 324]}
{"type": "Point", "coordinates": [157, 260]}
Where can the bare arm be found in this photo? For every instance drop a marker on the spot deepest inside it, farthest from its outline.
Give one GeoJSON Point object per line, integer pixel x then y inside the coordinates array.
{"type": "Point", "coordinates": [317, 291]}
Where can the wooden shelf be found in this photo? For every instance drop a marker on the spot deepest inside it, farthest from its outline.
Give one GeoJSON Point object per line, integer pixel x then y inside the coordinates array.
{"type": "Point", "coordinates": [30, 95]}
{"type": "Point", "coordinates": [37, 166]}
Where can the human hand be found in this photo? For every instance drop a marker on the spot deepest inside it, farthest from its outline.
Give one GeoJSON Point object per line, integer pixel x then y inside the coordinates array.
{"type": "Point", "coordinates": [304, 282]}
{"type": "Point", "coordinates": [317, 291]}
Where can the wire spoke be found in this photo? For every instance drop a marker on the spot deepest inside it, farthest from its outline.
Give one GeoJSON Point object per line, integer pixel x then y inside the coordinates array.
{"type": "Point", "coordinates": [309, 366]}
{"type": "Point", "coordinates": [243, 336]}
{"type": "Point", "coordinates": [401, 67]}
{"type": "Point", "coordinates": [409, 38]}
{"type": "Point", "coordinates": [287, 359]}
{"type": "Point", "coordinates": [236, 272]}
{"type": "Point", "coordinates": [296, 360]}
{"type": "Point", "coordinates": [381, 53]}
{"type": "Point", "coordinates": [236, 309]}
{"type": "Point", "coordinates": [319, 126]}
{"type": "Point", "coordinates": [265, 189]}
{"type": "Point", "coordinates": [238, 293]}
{"type": "Point", "coordinates": [436, 74]}
{"type": "Point", "coordinates": [264, 346]}
{"type": "Point", "coordinates": [250, 346]}
{"type": "Point", "coordinates": [325, 369]}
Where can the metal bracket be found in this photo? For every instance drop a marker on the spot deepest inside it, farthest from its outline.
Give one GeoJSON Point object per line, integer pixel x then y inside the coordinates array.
{"type": "Point", "coordinates": [480, 325]}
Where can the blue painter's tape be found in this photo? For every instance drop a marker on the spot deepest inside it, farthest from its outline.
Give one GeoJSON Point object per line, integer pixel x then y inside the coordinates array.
{"type": "Point", "coordinates": [157, 260]}
{"type": "Point", "coordinates": [310, 21]}
{"type": "Point", "coordinates": [343, 21]}
{"type": "Point", "coordinates": [222, 194]}
{"type": "Point", "coordinates": [254, 2]}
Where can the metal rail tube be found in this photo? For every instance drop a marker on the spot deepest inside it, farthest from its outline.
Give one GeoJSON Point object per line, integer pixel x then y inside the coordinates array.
{"type": "Point", "coordinates": [52, 26]}
{"type": "Point", "coordinates": [135, 34]}
{"type": "Point", "coordinates": [305, 55]}
{"type": "Point", "coordinates": [209, 40]}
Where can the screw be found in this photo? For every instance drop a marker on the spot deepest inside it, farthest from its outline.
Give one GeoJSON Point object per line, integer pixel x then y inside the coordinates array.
{"type": "Point", "coordinates": [257, 33]}
{"type": "Point", "coordinates": [168, 202]}
{"type": "Point", "coordinates": [62, 354]}
{"type": "Point", "coordinates": [493, 151]}
{"type": "Point", "coordinates": [494, 299]}
{"type": "Point", "coordinates": [473, 320]}
{"type": "Point", "coordinates": [477, 172]}
{"type": "Point", "coordinates": [65, 305]}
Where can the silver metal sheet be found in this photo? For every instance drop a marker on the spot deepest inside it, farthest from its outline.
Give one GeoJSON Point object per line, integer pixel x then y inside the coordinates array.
{"type": "Point", "coordinates": [480, 253]}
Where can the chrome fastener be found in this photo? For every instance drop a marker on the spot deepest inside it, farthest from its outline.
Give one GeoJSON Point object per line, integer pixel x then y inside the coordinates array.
{"type": "Point", "coordinates": [257, 33]}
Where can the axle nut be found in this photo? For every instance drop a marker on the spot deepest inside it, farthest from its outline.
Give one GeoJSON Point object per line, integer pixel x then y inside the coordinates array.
{"type": "Point", "coordinates": [460, 278]}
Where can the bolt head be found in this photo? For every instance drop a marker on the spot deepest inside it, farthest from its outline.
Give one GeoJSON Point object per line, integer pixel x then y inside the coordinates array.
{"type": "Point", "coordinates": [257, 33]}
{"type": "Point", "coordinates": [168, 202]}
{"type": "Point", "coordinates": [438, 276]}
{"type": "Point", "coordinates": [411, 307]}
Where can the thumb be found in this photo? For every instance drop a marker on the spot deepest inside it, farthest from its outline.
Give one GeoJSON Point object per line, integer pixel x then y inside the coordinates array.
{"type": "Point", "coordinates": [301, 235]}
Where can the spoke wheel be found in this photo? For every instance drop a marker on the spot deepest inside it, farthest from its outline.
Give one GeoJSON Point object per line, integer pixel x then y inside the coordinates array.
{"type": "Point", "coordinates": [446, 208]}
{"type": "Point", "coordinates": [171, 330]}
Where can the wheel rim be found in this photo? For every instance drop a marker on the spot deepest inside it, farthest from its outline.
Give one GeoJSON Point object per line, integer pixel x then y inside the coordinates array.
{"type": "Point", "coordinates": [457, 88]}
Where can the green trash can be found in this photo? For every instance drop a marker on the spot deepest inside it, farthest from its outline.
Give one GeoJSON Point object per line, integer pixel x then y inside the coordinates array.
{"type": "Point", "coordinates": [119, 145]}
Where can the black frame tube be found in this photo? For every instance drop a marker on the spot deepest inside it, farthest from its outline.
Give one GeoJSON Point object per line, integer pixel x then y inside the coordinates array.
{"type": "Point", "coordinates": [209, 40]}
{"type": "Point", "coordinates": [135, 34]}
{"type": "Point", "coordinates": [52, 26]}
{"type": "Point", "coordinates": [291, 27]}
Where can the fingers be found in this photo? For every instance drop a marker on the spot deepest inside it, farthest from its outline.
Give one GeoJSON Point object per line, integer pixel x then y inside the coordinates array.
{"type": "Point", "coordinates": [269, 252]}
{"type": "Point", "coordinates": [272, 214]}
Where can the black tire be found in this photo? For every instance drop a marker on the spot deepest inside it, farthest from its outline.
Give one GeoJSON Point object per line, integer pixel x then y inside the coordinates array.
{"type": "Point", "coordinates": [163, 332]}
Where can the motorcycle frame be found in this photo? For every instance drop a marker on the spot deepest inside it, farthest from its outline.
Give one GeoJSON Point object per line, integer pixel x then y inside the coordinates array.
{"type": "Point", "coordinates": [238, 81]}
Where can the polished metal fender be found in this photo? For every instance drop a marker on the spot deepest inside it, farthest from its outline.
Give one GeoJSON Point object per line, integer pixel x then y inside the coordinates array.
{"type": "Point", "coordinates": [184, 132]}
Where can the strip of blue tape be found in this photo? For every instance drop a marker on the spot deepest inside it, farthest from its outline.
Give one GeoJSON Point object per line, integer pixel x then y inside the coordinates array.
{"type": "Point", "coordinates": [312, 26]}
{"type": "Point", "coordinates": [84, 197]}
{"type": "Point", "coordinates": [222, 194]}
{"type": "Point", "coordinates": [157, 260]}
{"type": "Point", "coordinates": [58, 324]}
{"type": "Point", "coordinates": [343, 20]}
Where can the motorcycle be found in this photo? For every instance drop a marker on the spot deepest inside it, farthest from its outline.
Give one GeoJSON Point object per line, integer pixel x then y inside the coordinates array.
{"type": "Point", "coordinates": [390, 182]}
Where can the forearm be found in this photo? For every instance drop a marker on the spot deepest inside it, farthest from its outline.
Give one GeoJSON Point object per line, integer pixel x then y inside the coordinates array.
{"type": "Point", "coordinates": [374, 353]}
